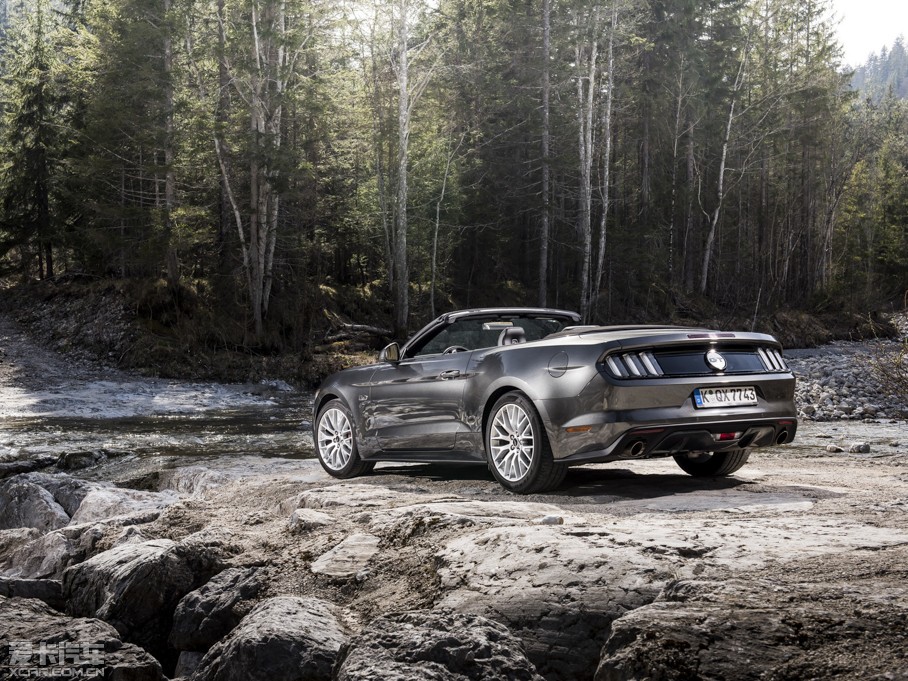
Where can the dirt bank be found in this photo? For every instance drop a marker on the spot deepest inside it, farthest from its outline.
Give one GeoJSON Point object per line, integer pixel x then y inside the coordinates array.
{"type": "Point", "coordinates": [145, 328]}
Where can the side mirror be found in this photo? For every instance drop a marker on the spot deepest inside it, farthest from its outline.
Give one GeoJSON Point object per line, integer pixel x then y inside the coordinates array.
{"type": "Point", "coordinates": [390, 353]}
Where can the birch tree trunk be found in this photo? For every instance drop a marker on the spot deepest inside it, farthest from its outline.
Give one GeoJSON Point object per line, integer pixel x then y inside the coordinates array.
{"type": "Point", "coordinates": [720, 183]}
{"type": "Point", "coordinates": [221, 119]}
{"type": "Point", "coordinates": [676, 139]}
{"type": "Point", "coordinates": [378, 115]}
{"type": "Point", "coordinates": [441, 198]}
{"type": "Point", "coordinates": [402, 275]}
{"type": "Point", "coordinates": [607, 149]}
{"type": "Point", "coordinates": [173, 268]}
{"type": "Point", "coordinates": [266, 89]}
{"type": "Point", "coordinates": [586, 90]}
{"type": "Point", "coordinates": [545, 229]}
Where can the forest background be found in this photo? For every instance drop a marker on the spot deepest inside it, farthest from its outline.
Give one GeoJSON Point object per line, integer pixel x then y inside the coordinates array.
{"type": "Point", "coordinates": [256, 174]}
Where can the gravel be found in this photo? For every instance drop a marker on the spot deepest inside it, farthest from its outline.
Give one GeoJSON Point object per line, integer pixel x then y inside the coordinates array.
{"type": "Point", "coordinates": [837, 382]}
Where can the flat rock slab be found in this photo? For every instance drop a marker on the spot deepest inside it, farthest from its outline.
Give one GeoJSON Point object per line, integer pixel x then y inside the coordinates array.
{"type": "Point", "coordinates": [360, 496]}
{"type": "Point", "coordinates": [754, 630]}
{"type": "Point", "coordinates": [755, 540]}
{"type": "Point", "coordinates": [730, 501]}
{"type": "Point", "coordinates": [348, 558]}
{"type": "Point", "coordinates": [307, 519]}
{"type": "Point", "coordinates": [491, 512]}
{"type": "Point", "coordinates": [557, 587]}
{"type": "Point", "coordinates": [47, 590]}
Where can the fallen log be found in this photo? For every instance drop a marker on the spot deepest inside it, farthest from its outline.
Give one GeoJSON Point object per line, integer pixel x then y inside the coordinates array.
{"type": "Point", "coordinates": [350, 331]}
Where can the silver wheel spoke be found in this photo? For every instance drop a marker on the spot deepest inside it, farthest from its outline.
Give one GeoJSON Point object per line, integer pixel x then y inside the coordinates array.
{"type": "Point", "coordinates": [335, 439]}
{"type": "Point", "coordinates": [511, 442]}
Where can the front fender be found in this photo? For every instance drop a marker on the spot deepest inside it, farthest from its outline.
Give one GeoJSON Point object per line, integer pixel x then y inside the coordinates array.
{"type": "Point", "coordinates": [347, 385]}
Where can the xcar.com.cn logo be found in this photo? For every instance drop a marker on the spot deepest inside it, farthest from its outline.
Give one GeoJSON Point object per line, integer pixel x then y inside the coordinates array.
{"type": "Point", "coordinates": [52, 660]}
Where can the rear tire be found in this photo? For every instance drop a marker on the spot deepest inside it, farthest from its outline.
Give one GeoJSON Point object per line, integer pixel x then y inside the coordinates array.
{"type": "Point", "coordinates": [712, 464]}
{"type": "Point", "coordinates": [518, 449]}
{"type": "Point", "coordinates": [335, 442]}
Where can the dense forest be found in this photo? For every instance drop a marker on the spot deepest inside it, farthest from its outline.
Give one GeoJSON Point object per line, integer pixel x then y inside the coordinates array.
{"type": "Point", "coordinates": [390, 159]}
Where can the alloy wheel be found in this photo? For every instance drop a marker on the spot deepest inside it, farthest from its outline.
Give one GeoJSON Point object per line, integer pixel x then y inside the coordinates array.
{"type": "Point", "coordinates": [512, 442]}
{"type": "Point", "coordinates": [335, 439]}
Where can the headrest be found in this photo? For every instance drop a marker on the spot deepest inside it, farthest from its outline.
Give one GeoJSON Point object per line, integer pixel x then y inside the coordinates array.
{"type": "Point", "coordinates": [512, 336]}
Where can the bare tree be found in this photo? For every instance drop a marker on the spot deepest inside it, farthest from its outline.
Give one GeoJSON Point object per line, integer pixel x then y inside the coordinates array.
{"type": "Point", "coordinates": [408, 95]}
{"type": "Point", "coordinates": [586, 55]}
{"type": "Point", "coordinates": [545, 229]}
{"type": "Point", "coordinates": [438, 204]}
{"type": "Point", "coordinates": [607, 147]}
{"type": "Point", "coordinates": [720, 181]}
{"type": "Point", "coordinates": [173, 268]}
{"type": "Point", "coordinates": [401, 267]}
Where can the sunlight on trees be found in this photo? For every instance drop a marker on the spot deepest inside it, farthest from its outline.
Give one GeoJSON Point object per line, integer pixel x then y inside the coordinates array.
{"type": "Point", "coordinates": [395, 158]}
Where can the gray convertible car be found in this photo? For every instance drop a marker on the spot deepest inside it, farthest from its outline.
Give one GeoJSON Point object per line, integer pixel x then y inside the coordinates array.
{"type": "Point", "coordinates": [529, 392]}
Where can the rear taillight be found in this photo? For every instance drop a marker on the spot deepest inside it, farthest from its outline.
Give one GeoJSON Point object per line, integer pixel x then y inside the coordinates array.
{"type": "Point", "coordinates": [633, 365]}
{"type": "Point", "coordinates": [772, 359]}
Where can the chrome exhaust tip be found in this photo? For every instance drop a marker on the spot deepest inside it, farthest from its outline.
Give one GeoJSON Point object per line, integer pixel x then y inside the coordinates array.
{"type": "Point", "coordinates": [782, 437]}
{"type": "Point", "coordinates": [635, 448]}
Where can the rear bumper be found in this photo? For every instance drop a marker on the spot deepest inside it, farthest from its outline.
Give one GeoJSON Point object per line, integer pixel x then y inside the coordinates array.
{"type": "Point", "coordinates": [652, 441]}
{"type": "Point", "coordinates": [606, 420]}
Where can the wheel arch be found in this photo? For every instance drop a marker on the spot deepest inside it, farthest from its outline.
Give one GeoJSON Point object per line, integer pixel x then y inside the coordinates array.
{"type": "Point", "coordinates": [323, 398]}
{"type": "Point", "coordinates": [502, 390]}
{"type": "Point", "coordinates": [496, 395]}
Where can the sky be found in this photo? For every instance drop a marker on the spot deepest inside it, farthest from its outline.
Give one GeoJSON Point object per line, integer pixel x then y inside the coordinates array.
{"type": "Point", "coordinates": [868, 25]}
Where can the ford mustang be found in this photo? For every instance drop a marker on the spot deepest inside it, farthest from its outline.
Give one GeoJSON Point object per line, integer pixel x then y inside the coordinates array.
{"type": "Point", "coordinates": [530, 392]}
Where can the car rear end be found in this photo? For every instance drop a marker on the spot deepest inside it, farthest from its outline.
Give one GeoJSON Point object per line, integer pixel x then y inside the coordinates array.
{"type": "Point", "coordinates": [667, 391]}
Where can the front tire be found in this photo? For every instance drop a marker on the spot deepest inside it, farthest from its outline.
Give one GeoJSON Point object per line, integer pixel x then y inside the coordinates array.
{"type": "Point", "coordinates": [518, 449]}
{"type": "Point", "coordinates": [712, 464]}
{"type": "Point", "coordinates": [335, 442]}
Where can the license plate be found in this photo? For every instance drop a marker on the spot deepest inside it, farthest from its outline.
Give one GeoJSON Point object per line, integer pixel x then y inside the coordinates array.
{"type": "Point", "coordinates": [706, 398]}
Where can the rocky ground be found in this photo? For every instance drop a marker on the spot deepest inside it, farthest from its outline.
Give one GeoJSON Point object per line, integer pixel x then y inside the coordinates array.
{"type": "Point", "coordinates": [245, 567]}
{"type": "Point", "coordinates": [847, 379]}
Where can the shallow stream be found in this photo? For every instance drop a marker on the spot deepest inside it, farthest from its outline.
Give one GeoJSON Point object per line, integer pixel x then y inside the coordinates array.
{"type": "Point", "coordinates": [103, 428]}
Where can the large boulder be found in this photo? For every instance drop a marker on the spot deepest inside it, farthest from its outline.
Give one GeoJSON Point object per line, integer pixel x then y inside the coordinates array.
{"type": "Point", "coordinates": [136, 587]}
{"type": "Point", "coordinates": [105, 502]}
{"type": "Point", "coordinates": [47, 556]}
{"type": "Point", "coordinates": [47, 502]}
{"type": "Point", "coordinates": [65, 489]}
{"type": "Point", "coordinates": [15, 538]}
{"type": "Point", "coordinates": [281, 639]}
{"type": "Point", "coordinates": [86, 644]}
{"type": "Point", "coordinates": [204, 616]}
{"type": "Point", "coordinates": [24, 503]}
{"type": "Point", "coordinates": [47, 590]}
{"type": "Point", "coordinates": [753, 629]}
{"type": "Point", "coordinates": [434, 645]}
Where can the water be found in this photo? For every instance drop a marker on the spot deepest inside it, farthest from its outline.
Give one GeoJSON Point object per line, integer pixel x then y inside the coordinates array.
{"type": "Point", "coordinates": [110, 428]}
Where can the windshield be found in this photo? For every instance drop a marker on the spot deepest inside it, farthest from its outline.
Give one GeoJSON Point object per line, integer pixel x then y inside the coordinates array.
{"type": "Point", "coordinates": [475, 333]}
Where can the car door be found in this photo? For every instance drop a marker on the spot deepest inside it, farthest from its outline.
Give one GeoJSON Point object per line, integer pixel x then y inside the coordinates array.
{"type": "Point", "coordinates": [417, 403]}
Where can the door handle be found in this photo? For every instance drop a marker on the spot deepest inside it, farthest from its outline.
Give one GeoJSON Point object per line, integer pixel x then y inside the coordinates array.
{"type": "Point", "coordinates": [450, 373]}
